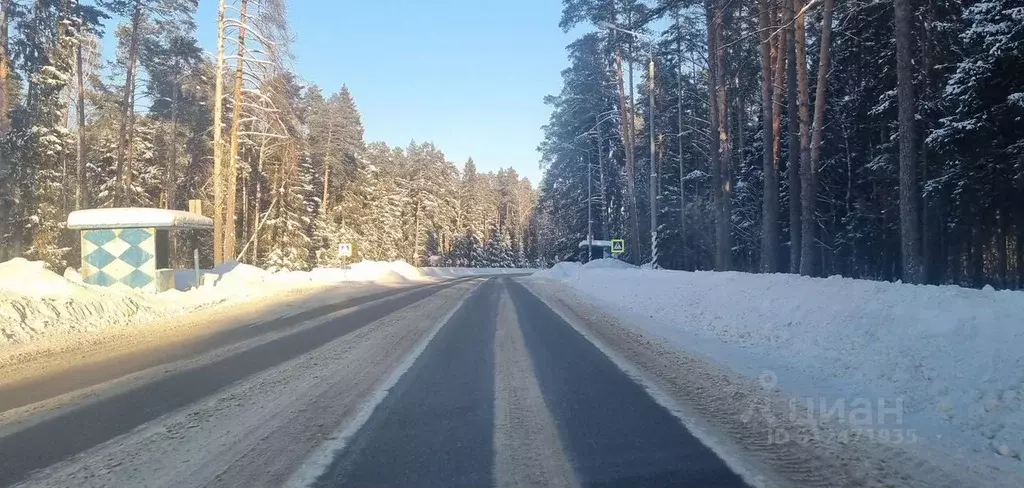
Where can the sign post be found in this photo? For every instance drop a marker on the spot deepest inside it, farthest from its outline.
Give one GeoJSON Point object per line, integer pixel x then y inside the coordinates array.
{"type": "Point", "coordinates": [618, 246]}
{"type": "Point", "coordinates": [344, 252]}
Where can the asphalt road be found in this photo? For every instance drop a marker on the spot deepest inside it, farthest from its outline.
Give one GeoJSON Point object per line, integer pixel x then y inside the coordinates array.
{"type": "Point", "coordinates": [435, 426]}
{"type": "Point", "coordinates": [488, 387]}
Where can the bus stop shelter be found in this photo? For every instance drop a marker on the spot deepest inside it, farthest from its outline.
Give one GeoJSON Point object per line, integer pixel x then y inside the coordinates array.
{"type": "Point", "coordinates": [595, 249]}
{"type": "Point", "coordinates": [130, 247]}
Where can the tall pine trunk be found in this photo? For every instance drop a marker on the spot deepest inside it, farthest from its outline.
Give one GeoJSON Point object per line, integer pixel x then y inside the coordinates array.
{"type": "Point", "coordinates": [260, 157]}
{"type": "Point", "coordinates": [781, 46]}
{"type": "Point", "coordinates": [81, 185]}
{"type": "Point", "coordinates": [633, 249]}
{"type": "Point", "coordinates": [929, 230]}
{"type": "Point", "coordinates": [721, 150]}
{"type": "Point", "coordinates": [807, 199]}
{"type": "Point", "coordinates": [770, 202]}
{"type": "Point", "coordinates": [910, 224]}
{"type": "Point", "coordinates": [5, 69]}
{"type": "Point", "coordinates": [1002, 255]}
{"type": "Point", "coordinates": [6, 183]}
{"type": "Point", "coordinates": [123, 170]}
{"type": "Point", "coordinates": [171, 183]}
{"type": "Point", "coordinates": [793, 168]}
{"type": "Point", "coordinates": [231, 219]}
{"type": "Point", "coordinates": [218, 143]}
{"type": "Point", "coordinates": [817, 133]}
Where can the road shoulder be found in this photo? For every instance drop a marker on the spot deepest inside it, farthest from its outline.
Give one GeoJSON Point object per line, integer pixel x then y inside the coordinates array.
{"type": "Point", "coordinates": [734, 415]}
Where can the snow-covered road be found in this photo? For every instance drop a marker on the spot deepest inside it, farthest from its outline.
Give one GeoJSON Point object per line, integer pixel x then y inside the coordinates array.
{"type": "Point", "coordinates": [501, 380]}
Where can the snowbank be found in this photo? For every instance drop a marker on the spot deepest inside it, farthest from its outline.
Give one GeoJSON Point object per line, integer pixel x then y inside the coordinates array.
{"type": "Point", "coordinates": [569, 270]}
{"type": "Point", "coordinates": [560, 271]}
{"type": "Point", "coordinates": [952, 356]}
{"type": "Point", "coordinates": [394, 272]}
{"type": "Point", "coordinates": [608, 263]}
{"type": "Point", "coordinates": [240, 275]}
{"type": "Point", "coordinates": [226, 274]}
{"type": "Point", "coordinates": [36, 303]}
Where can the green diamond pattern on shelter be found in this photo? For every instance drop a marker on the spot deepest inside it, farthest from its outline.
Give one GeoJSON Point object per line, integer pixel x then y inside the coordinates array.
{"type": "Point", "coordinates": [119, 256]}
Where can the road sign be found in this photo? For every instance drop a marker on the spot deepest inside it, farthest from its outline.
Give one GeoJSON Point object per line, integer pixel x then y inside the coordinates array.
{"type": "Point", "coordinates": [618, 246]}
{"type": "Point", "coordinates": [345, 250]}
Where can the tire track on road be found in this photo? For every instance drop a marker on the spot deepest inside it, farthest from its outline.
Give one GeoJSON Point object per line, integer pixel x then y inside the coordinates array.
{"type": "Point", "coordinates": [527, 449]}
{"type": "Point", "coordinates": [434, 427]}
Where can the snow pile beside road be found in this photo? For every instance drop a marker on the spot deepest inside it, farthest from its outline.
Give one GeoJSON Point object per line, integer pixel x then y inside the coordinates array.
{"type": "Point", "coordinates": [564, 270]}
{"type": "Point", "coordinates": [36, 303]}
{"type": "Point", "coordinates": [403, 269]}
{"type": "Point", "coordinates": [242, 276]}
{"type": "Point", "coordinates": [953, 356]}
{"type": "Point", "coordinates": [384, 272]}
{"type": "Point", "coordinates": [230, 274]}
{"type": "Point", "coordinates": [608, 263]}
{"type": "Point", "coordinates": [234, 273]}
{"type": "Point", "coordinates": [571, 270]}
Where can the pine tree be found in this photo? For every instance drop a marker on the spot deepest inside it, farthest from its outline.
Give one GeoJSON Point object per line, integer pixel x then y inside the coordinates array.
{"type": "Point", "coordinates": [288, 223]}
{"type": "Point", "coordinates": [497, 251]}
{"type": "Point", "coordinates": [983, 142]}
{"type": "Point", "coordinates": [48, 141]}
{"type": "Point", "coordinates": [329, 233]}
{"type": "Point", "coordinates": [467, 252]}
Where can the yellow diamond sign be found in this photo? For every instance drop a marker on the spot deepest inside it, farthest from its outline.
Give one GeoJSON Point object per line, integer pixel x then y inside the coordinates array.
{"type": "Point", "coordinates": [618, 246]}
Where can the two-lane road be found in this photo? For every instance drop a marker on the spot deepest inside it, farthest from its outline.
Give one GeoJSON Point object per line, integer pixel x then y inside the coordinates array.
{"type": "Point", "coordinates": [466, 383]}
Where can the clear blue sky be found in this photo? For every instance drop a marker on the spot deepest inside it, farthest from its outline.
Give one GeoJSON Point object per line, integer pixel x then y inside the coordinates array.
{"type": "Point", "coordinates": [469, 75]}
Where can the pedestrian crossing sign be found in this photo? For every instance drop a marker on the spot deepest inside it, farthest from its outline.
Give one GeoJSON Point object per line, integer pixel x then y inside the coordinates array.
{"type": "Point", "coordinates": [618, 246]}
{"type": "Point", "coordinates": [345, 250]}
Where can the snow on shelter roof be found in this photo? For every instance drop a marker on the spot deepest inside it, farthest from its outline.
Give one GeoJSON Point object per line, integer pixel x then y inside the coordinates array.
{"type": "Point", "coordinates": [597, 243]}
{"type": "Point", "coordinates": [123, 218]}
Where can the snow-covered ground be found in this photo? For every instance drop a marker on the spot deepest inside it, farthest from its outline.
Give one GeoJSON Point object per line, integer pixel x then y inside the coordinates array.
{"type": "Point", "coordinates": [240, 275]}
{"type": "Point", "coordinates": [938, 370]}
{"type": "Point", "coordinates": [38, 304]}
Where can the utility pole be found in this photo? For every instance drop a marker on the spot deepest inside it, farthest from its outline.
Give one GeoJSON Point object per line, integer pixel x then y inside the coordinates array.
{"type": "Point", "coordinates": [682, 172]}
{"type": "Point", "coordinates": [653, 193]}
{"type": "Point", "coordinates": [654, 172]}
{"type": "Point", "coordinates": [590, 184]}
